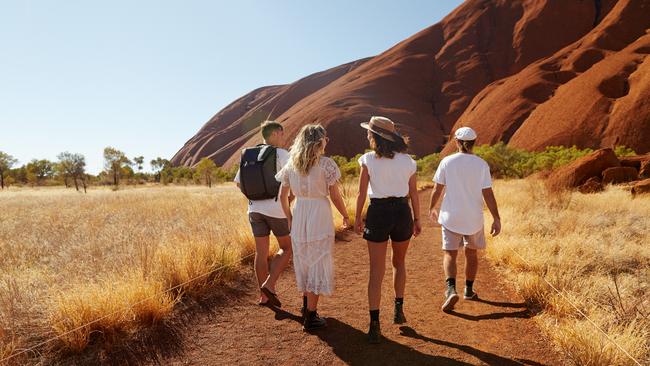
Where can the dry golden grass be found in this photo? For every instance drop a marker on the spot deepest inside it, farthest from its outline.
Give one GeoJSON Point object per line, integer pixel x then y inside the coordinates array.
{"type": "Point", "coordinates": [69, 259]}
{"type": "Point", "coordinates": [594, 249]}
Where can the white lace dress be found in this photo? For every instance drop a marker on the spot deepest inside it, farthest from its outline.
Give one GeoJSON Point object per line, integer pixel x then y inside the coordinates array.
{"type": "Point", "coordinates": [312, 228]}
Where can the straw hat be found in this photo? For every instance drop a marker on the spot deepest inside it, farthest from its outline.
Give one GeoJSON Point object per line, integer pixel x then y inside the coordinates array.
{"type": "Point", "coordinates": [382, 126]}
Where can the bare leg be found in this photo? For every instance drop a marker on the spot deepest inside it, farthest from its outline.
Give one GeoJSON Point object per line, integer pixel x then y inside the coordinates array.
{"type": "Point", "coordinates": [377, 252]}
{"type": "Point", "coordinates": [471, 264]}
{"type": "Point", "coordinates": [449, 263]}
{"type": "Point", "coordinates": [312, 301]}
{"type": "Point", "coordinates": [279, 262]}
{"type": "Point", "coordinates": [261, 261]}
{"type": "Point", "coordinates": [399, 266]}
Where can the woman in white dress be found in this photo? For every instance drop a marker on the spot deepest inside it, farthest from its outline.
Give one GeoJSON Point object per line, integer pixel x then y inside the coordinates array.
{"type": "Point", "coordinates": [313, 178]}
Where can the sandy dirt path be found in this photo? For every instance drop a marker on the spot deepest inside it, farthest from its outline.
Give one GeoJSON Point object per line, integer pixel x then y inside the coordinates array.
{"type": "Point", "coordinates": [497, 330]}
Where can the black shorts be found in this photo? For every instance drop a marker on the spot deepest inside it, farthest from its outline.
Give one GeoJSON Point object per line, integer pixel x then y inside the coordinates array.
{"type": "Point", "coordinates": [388, 218]}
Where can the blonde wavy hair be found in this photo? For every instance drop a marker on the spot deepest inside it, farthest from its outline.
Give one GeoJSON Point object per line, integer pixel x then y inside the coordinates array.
{"type": "Point", "coordinates": [307, 148]}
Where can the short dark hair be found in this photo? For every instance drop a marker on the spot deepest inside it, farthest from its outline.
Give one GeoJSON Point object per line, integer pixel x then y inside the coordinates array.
{"type": "Point", "coordinates": [268, 127]}
{"type": "Point", "coordinates": [385, 148]}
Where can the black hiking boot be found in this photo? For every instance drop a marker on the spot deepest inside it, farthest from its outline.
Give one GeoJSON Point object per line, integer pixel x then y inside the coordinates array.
{"type": "Point", "coordinates": [374, 334]}
{"type": "Point", "coordinates": [399, 315]}
{"type": "Point", "coordinates": [312, 321]}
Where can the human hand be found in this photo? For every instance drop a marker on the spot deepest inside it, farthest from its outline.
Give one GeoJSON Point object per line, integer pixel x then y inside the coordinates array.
{"type": "Point", "coordinates": [417, 227]}
{"type": "Point", "coordinates": [346, 223]}
{"type": "Point", "coordinates": [433, 216]}
{"type": "Point", "coordinates": [359, 226]}
{"type": "Point", "coordinates": [496, 227]}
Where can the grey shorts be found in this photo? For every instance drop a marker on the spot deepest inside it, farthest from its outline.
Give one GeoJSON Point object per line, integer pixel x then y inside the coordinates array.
{"type": "Point", "coordinates": [453, 241]}
{"type": "Point", "coordinates": [262, 225]}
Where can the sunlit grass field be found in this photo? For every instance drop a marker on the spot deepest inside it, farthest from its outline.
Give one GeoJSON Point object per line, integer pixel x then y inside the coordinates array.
{"type": "Point", "coordinates": [595, 249]}
{"type": "Point", "coordinates": [69, 259]}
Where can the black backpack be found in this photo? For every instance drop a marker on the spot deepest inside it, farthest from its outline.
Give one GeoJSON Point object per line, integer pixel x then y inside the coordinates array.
{"type": "Point", "coordinates": [257, 169]}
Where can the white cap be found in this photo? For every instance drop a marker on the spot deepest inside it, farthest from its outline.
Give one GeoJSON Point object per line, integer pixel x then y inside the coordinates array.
{"type": "Point", "coordinates": [465, 134]}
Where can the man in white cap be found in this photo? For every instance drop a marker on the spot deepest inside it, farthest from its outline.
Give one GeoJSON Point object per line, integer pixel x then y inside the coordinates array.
{"type": "Point", "coordinates": [466, 182]}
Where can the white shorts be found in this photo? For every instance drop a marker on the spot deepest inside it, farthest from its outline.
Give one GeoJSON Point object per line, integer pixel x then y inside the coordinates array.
{"type": "Point", "coordinates": [452, 240]}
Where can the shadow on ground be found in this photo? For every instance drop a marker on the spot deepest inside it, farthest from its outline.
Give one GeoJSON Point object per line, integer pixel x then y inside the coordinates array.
{"type": "Point", "coordinates": [485, 357]}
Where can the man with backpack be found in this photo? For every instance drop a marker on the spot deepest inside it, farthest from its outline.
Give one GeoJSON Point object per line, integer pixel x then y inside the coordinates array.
{"type": "Point", "coordinates": [256, 179]}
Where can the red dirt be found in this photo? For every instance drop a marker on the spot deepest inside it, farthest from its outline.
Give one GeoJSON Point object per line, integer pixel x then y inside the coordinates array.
{"type": "Point", "coordinates": [498, 330]}
{"type": "Point", "coordinates": [530, 73]}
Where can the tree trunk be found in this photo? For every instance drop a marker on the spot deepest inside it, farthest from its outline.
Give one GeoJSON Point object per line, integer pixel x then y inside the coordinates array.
{"type": "Point", "coordinates": [76, 184]}
{"type": "Point", "coordinates": [83, 182]}
{"type": "Point", "coordinates": [115, 178]}
{"type": "Point", "coordinates": [65, 181]}
{"type": "Point", "coordinates": [2, 179]}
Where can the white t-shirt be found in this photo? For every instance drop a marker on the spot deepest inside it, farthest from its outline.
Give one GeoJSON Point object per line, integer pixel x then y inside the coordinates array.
{"type": "Point", "coordinates": [270, 207]}
{"type": "Point", "coordinates": [464, 177]}
{"type": "Point", "coordinates": [388, 177]}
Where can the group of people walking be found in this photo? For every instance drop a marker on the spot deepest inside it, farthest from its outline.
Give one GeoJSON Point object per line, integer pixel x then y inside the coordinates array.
{"type": "Point", "coordinates": [388, 177]}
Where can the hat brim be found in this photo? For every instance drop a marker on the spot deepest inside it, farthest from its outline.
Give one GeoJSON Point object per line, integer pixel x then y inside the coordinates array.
{"type": "Point", "coordinates": [384, 135]}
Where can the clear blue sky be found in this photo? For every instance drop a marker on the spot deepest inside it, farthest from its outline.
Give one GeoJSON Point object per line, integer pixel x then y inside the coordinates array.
{"type": "Point", "coordinates": [144, 76]}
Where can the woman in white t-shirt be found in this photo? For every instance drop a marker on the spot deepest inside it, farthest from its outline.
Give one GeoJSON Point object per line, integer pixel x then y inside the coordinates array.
{"type": "Point", "coordinates": [388, 177]}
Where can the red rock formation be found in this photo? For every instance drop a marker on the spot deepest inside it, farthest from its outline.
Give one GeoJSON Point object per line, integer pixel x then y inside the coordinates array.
{"type": "Point", "coordinates": [531, 73]}
{"type": "Point", "coordinates": [579, 171]}
{"type": "Point", "coordinates": [620, 174]}
{"type": "Point", "coordinates": [592, 185]}
{"type": "Point", "coordinates": [641, 187]}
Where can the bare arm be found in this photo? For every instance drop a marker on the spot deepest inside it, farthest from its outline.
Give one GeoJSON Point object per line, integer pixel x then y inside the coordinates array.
{"type": "Point", "coordinates": [364, 179]}
{"type": "Point", "coordinates": [415, 203]}
{"type": "Point", "coordinates": [435, 196]}
{"type": "Point", "coordinates": [491, 202]}
{"type": "Point", "coordinates": [335, 195]}
{"type": "Point", "coordinates": [284, 200]}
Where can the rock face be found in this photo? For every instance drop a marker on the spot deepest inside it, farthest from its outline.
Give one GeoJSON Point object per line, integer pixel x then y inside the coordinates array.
{"type": "Point", "coordinates": [578, 172]}
{"type": "Point", "coordinates": [592, 185]}
{"type": "Point", "coordinates": [621, 174]}
{"type": "Point", "coordinates": [531, 73]}
{"type": "Point", "coordinates": [641, 187]}
{"type": "Point", "coordinates": [644, 170]}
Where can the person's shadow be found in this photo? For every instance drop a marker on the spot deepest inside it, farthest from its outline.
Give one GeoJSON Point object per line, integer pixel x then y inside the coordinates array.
{"type": "Point", "coordinates": [486, 357]}
{"type": "Point", "coordinates": [352, 347]}
{"type": "Point", "coordinates": [525, 313]}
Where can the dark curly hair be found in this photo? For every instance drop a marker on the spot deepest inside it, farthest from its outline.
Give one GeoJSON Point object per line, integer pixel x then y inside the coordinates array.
{"type": "Point", "coordinates": [385, 148]}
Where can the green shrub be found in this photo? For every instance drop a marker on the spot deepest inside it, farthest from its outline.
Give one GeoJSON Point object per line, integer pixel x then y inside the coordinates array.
{"type": "Point", "coordinates": [621, 151]}
{"type": "Point", "coordinates": [428, 164]}
{"type": "Point", "coordinates": [504, 161]}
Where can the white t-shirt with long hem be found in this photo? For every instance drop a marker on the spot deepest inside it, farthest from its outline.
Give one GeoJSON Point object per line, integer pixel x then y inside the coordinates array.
{"type": "Point", "coordinates": [270, 207]}
{"type": "Point", "coordinates": [388, 177]}
{"type": "Point", "coordinates": [464, 177]}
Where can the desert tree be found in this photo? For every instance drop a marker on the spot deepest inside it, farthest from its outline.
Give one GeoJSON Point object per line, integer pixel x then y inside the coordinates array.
{"type": "Point", "coordinates": [138, 162]}
{"type": "Point", "coordinates": [6, 162]}
{"type": "Point", "coordinates": [73, 166]}
{"type": "Point", "coordinates": [114, 162]}
{"type": "Point", "coordinates": [158, 165]}
{"type": "Point", "coordinates": [205, 169]}
{"type": "Point", "coordinates": [38, 170]}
